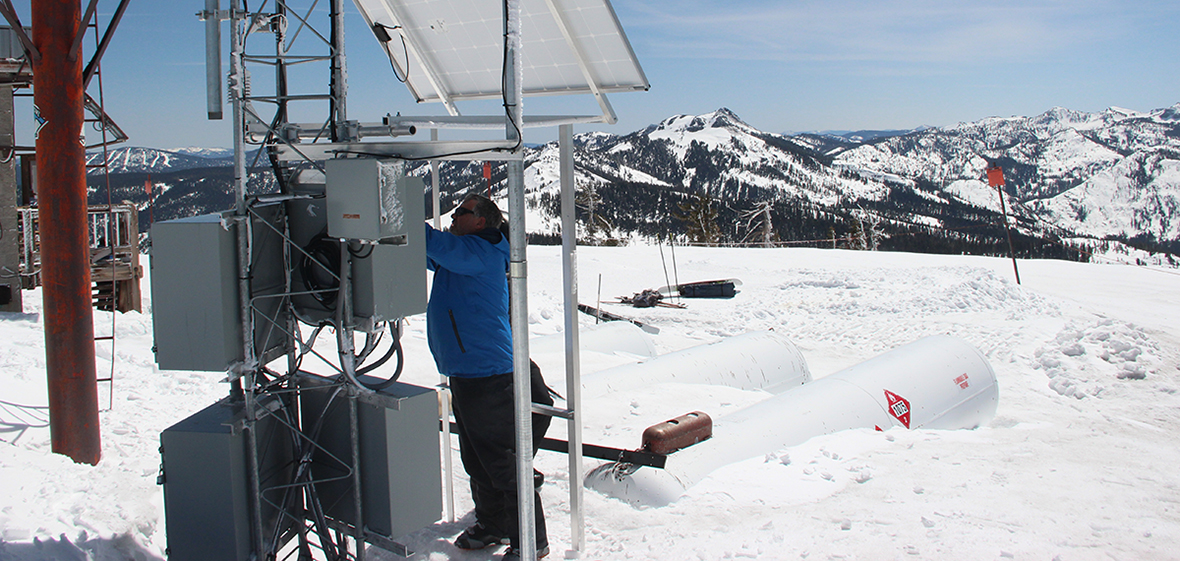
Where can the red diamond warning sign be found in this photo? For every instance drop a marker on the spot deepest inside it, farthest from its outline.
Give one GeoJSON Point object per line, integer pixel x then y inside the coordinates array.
{"type": "Point", "coordinates": [899, 407]}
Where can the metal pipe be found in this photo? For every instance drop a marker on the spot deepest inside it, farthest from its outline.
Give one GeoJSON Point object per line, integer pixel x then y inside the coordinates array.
{"type": "Point", "coordinates": [308, 131]}
{"type": "Point", "coordinates": [280, 64]}
{"type": "Point", "coordinates": [241, 219]}
{"type": "Point", "coordinates": [357, 496]}
{"type": "Point", "coordinates": [435, 196]}
{"type": "Point", "coordinates": [65, 254]}
{"type": "Point", "coordinates": [444, 386]}
{"type": "Point", "coordinates": [213, 59]}
{"type": "Point", "coordinates": [518, 287]}
{"type": "Point", "coordinates": [573, 368]}
{"type": "Point", "coordinates": [339, 79]}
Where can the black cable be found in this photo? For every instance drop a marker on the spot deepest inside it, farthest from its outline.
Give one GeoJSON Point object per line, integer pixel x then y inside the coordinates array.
{"type": "Point", "coordinates": [383, 36]}
{"type": "Point", "coordinates": [321, 254]}
{"type": "Point", "coordinates": [395, 348]}
{"type": "Point", "coordinates": [503, 97]}
{"type": "Point", "coordinates": [504, 85]}
{"type": "Point", "coordinates": [308, 344]}
{"type": "Point", "coordinates": [359, 255]}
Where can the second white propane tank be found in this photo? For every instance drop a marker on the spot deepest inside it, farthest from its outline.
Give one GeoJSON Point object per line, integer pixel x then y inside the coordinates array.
{"type": "Point", "coordinates": [609, 337]}
{"type": "Point", "coordinates": [938, 382]}
{"type": "Point", "coordinates": [759, 360]}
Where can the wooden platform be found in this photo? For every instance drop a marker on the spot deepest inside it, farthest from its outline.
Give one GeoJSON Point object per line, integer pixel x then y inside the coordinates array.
{"type": "Point", "coordinates": [114, 255]}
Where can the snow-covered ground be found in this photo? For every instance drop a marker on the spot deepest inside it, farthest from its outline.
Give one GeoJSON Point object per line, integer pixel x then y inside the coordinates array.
{"type": "Point", "coordinates": [1080, 461]}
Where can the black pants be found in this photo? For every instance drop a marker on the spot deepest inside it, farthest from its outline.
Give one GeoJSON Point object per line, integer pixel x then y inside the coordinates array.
{"type": "Point", "coordinates": [484, 412]}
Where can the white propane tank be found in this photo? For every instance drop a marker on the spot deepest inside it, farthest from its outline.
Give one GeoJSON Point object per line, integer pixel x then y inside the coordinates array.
{"type": "Point", "coordinates": [609, 337]}
{"type": "Point", "coordinates": [938, 382]}
{"type": "Point", "coordinates": [760, 360]}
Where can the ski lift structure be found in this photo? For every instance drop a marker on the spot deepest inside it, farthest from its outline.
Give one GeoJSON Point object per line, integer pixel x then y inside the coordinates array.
{"type": "Point", "coordinates": [265, 272]}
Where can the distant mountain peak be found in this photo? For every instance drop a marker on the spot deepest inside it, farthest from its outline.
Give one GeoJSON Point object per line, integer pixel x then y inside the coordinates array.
{"type": "Point", "coordinates": [196, 151]}
{"type": "Point", "coordinates": [1169, 113]}
{"type": "Point", "coordinates": [721, 118]}
{"type": "Point", "coordinates": [724, 116]}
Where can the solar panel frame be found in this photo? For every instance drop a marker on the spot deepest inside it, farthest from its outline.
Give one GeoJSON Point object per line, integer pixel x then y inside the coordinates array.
{"type": "Point", "coordinates": [455, 47]}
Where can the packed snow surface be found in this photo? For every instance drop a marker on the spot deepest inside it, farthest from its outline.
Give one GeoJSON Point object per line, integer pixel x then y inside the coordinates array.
{"type": "Point", "coordinates": [1079, 463]}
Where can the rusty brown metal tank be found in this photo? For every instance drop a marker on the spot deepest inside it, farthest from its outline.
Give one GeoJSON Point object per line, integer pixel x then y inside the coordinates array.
{"type": "Point", "coordinates": [675, 434]}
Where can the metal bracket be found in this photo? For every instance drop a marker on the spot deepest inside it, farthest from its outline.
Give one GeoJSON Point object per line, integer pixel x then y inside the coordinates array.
{"type": "Point", "coordinates": [387, 544]}
{"type": "Point", "coordinates": [518, 269]}
{"type": "Point", "coordinates": [219, 15]}
{"type": "Point", "coordinates": [553, 411]}
{"type": "Point", "coordinates": [372, 537]}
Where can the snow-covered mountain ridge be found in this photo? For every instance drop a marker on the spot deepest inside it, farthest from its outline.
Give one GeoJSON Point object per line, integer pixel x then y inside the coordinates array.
{"type": "Point", "coordinates": [1069, 173]}
{"type": "Point", "coordinates": [1111, 173]}
{"type": "Point", "coordinates": [153, 160]}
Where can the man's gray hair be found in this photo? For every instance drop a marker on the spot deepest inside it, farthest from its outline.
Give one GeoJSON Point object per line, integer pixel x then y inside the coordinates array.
{"type": "Point", "coordinates": [486, 209]}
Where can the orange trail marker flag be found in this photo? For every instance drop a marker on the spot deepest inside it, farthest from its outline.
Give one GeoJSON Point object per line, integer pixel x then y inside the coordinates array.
{"type": "Point", "coordinates": [995, 176]}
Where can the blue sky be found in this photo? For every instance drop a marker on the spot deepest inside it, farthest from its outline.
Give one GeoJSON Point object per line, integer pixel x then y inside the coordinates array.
{"type": "Point", "coordinates": [783, 66]}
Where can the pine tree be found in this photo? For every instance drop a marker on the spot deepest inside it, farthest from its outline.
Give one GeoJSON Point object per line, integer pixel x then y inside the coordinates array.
{"type": "Point", "coordinates": [700, 220]}
{"type": "Point", "coordinates": [856, 238]}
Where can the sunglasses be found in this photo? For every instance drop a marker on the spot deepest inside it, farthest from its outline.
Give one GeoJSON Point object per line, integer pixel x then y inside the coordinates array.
{"type": "Point", "coordinates": [462, 211]}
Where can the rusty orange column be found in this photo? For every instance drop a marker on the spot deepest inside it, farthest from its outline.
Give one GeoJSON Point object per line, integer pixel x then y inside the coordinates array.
{"type": "Point", "coordinates": [65, 248]}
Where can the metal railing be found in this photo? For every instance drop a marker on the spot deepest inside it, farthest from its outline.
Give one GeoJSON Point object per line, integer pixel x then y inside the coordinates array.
{"type": "Point", "coordinates": [114, 244]}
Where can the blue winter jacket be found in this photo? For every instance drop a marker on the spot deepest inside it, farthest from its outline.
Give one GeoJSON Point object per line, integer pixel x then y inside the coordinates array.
{"type": "Point", "coordinates": [467, 315]}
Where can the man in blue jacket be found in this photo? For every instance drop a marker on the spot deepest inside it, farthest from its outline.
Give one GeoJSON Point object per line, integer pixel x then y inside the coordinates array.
{"type": "Point", "coordinates": [469, 335]}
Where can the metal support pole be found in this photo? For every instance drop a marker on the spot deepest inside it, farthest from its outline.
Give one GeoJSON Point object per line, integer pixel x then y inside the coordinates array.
{"type": "Point", "coordinates": [573, 368]}
{"type": "Point", "coordinates": [434, 192]}
{"type": "Point", "coordinates": [280, 66]}
{"type": "Point", "coordinates": [339, 79]}
{"type": "Point", "coordinates": [65, 249]}
{"type": "Point", "coordinates": [344, 333]}
{"type": "Point", "coordinates": [245, 384]}
{"type": "Point", "coordinates": [444, 385]}
{"type": "Point", "coordinates": [518, 286]}
{"type": "Point", "coordinates": [354, 436]}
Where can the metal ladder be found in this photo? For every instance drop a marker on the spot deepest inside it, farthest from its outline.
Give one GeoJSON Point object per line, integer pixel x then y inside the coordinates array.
{"type": "Point", "coordinates": [105, 294]}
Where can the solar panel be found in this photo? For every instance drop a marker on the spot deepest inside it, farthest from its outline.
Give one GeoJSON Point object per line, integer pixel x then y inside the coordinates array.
{"type": "Point", "coordinates": [454, 48]}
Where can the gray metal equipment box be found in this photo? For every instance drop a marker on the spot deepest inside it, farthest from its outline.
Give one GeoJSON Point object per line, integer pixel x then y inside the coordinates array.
{"type": "Point", "coordinates": [401, 477]}
{"type": "Point", "coordinates": [390, 282]}
{"type": "Point", "coordinates": [196, 316]}
{"type": "Point", "coordinates": [195, 312]}
{"type": "Point", "coordinates": [367, 199]}
{"type": "Point", "coordinates": [388, 277]}
{"type": "Point", "coordinates": [206, 483]}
